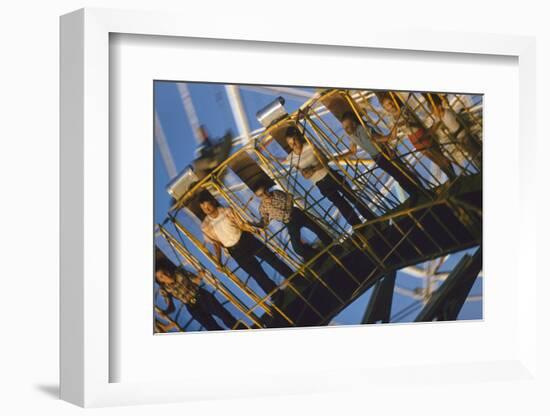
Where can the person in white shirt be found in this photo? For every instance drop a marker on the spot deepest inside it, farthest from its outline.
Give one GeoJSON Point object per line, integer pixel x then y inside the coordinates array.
{"type": "Point", "coordinates": [223, 228]}
{"type": "Point", "coordinates": [313, 166]}
{"type": "Point", "coordinates": [453, 135]}
{"type": "Point", "coordinates": [365, 139]}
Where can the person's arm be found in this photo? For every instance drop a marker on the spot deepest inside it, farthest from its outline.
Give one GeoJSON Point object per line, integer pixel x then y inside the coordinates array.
{"type": "Point", "coordinates": [170, 307]}
{"type": "Point", "coordinates": [434, 128]}
{"type": "Point", "coordinates": [253, 228]}
{"type": "Point", "coordinates": [215, 243]}
{"type": "Point", "coordinates": [351, 152]}
{"type": "Point", "coordinates": [437, 115]}
{"type": "Point", "coordinates": [380, 138]}
{"type": "Point", "coordinates": [264, 221]}
{"type": "Point", "coordinates": [240, 223]}
{"type": "Point", "coordinates": [218, 255]}
{"type": "Point", "coordinates": [260, 224]}
{"type": "Point", "coordinates": [197, 278]}
{"type": "Point", "coordinates": [377, 137]}
{"type": "Point", "coordinates": [245, 226]}
{"type": "Point", "coordinates": [307, 172]}
{"type": "Point", "coordinates": [323, 163]}
{"type": "Point", "coordinates": [285, 160]}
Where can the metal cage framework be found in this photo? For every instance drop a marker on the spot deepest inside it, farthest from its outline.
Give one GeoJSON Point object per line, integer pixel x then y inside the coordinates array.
{"type": "Point", "coordinates": [446, 217]}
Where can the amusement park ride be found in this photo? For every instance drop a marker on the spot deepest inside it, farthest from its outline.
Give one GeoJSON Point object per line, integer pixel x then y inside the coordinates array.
{"type": "Point", "coordinates": [443, 219]}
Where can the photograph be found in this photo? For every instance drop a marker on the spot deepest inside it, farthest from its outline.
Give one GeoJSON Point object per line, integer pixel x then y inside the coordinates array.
{"type": "Point", "coordinates": [241, 209]}
{"type": "Point", "coordinates": [309, 206]}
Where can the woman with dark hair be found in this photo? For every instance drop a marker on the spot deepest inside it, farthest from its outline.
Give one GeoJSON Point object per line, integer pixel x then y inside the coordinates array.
{"type": "Point", "coordinates": [223, 228]}
{"type": "Point", "coordinates": [185, 286]}
{"type": "Point", "coordinates": [313, 166]}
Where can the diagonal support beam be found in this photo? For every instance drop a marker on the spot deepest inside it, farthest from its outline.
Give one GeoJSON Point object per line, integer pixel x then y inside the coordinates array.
{"type": "Point", "coordinates": [189, 108]}
{"type": "Point", "coordinates": [380, 302]}
{"type": "Point", "coordinates": [239, 113]}
{"type": "Point", "coordinates": [448, 300]}
{"type": "Point", "coordinates": [164, 149]}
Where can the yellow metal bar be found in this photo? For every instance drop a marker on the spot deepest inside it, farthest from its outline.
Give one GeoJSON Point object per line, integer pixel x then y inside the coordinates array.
{"type": "Point", "coordinates": [170, 321]}
{"type": "Point", "coordinates": [461, 213]}
{"type": "Point", "coordinates": [421, 227]}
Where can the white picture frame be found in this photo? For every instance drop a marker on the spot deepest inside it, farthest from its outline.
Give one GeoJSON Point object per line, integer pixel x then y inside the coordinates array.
{"type": "Point", "coordinates": [85, 219]}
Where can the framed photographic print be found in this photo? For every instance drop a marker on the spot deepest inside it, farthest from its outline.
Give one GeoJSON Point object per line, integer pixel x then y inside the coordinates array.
{"type": "Point", "coordinates": [329, 193]}
{"type": "Point", "coordinates": [251, 205]}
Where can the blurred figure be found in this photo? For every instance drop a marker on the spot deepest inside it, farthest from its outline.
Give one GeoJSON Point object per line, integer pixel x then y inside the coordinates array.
{"type": "Point", "coordinates": [208, 154]}
{"type": "Point", "coordinates": [223, 228]}
{"type": "Point", "coordinates": [449, 129]}
{"type": "Point", "coordinates": [277, 205]}
{"type": "Point", "coordinates": [185, 286]}
{"type": "Point", "coordinates": [406, 122]}
{"type": "Point", "coordinates": [314, 167]}
{"type": "Point", "coordinates": [367, 140]}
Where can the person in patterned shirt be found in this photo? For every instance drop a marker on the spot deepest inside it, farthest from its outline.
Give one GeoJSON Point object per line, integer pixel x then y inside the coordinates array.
{"type": "Point", "coordinates": [185, 286]}
{"type": "Point", "coordinates": [277, 205]}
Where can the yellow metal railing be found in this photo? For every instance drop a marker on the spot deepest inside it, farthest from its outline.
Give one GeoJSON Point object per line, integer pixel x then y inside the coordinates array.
{"type": "Point", "coordinates": [372, 192]}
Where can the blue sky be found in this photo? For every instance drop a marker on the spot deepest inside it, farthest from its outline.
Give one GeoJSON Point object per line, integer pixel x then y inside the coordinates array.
{"type": "Point", "coordinates": [213, 110]}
